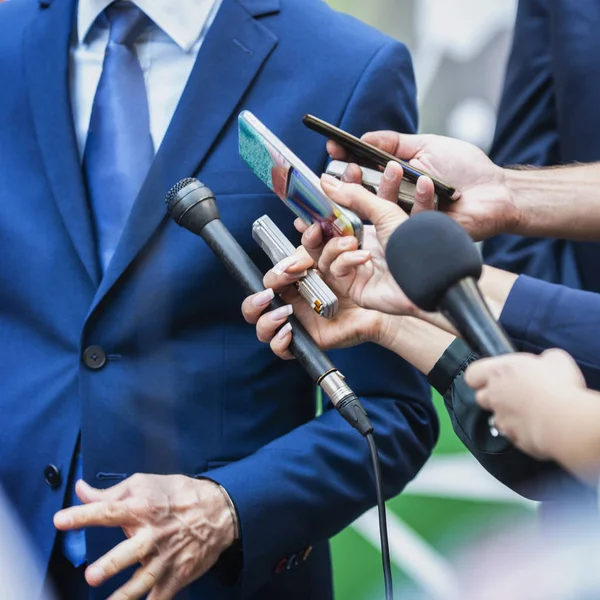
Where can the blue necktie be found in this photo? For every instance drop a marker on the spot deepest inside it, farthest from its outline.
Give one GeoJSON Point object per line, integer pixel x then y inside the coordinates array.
{"type": "Point", "coordinates": [118, 155]}
{"type": "Point", "coordinates": [119, 149]}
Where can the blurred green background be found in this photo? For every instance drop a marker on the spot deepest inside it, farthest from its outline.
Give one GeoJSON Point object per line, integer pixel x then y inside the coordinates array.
{"type": "Point", "coordinates": [459, 51]}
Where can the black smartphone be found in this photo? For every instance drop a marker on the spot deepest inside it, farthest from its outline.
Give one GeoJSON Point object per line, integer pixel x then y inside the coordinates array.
{"type": "Point", "coordinates": [375, 156]}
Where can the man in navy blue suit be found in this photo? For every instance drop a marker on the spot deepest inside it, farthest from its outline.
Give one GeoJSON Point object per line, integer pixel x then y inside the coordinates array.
{"type": "Point", "coordinates": [126, 363]}
{"type": "Point", "coordinates": [548, 116]}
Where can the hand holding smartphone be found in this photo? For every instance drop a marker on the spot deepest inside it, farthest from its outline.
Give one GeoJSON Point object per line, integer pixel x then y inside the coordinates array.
{"type": "Point", "coordinates": [373, 156]}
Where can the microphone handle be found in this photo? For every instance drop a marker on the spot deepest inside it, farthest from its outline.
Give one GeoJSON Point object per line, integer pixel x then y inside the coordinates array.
{"type": "Point", "coordinates": [464, 306]}
{"type": "Point", "coordinates": [248, 275]}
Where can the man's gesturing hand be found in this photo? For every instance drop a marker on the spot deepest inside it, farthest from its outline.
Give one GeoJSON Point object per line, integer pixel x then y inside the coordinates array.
{"type": "Point", "coordinates": [177, 529]}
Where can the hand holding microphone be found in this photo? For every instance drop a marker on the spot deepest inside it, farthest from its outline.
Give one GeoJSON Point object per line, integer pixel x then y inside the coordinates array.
{"type": "Point", "coordinates": [533, 398]}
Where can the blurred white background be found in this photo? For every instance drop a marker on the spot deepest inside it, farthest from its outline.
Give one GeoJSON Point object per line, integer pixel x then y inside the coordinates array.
{"type": "Point", "coordinates": [459, 49]}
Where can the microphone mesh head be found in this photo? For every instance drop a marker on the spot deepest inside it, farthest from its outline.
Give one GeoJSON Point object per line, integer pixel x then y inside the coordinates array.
{"type": "Point", "coordinates": [428, 254]}
{"type": "Point", "coordinates": [172, 197]}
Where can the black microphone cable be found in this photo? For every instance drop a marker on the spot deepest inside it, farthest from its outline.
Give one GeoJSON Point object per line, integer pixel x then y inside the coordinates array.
{"type": "Point", "coordinates": [193, 206]}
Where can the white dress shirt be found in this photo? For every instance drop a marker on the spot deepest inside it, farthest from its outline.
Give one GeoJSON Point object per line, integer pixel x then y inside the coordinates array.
{"type": "Point", "coordinates": [167, 51]}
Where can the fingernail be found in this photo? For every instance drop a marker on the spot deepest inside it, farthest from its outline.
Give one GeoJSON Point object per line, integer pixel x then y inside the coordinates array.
{"type": "Point", "coordinates": [330, 181]}
{"type": "Point", "coordinates": [281, 267]}
{"type": "Point", "coordinates": [346, 242]}
{"type": "Point", "coordinates": [362, 254]}
{"type": "Point", "coordinates": [263, 298]}
{"type": "Point", "coordinates": [282, 313]}
{"type": "Point", "coordinates": [94, 572]}
{"type": "Point", "coordinates": [62, 520]}
{"type": "Point", "coordinates": [390, 171]}
{"type": "Point", "coordinates": [312, 230]}
{"type": "Point", "coordinates": [282, 333]}
{"type": "Point", "coordinates": [422, 185]}
{"type": "Point", "coordinates": [346, 176]}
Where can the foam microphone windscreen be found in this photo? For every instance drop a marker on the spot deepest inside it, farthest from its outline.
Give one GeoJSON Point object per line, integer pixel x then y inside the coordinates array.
{"type": "Point", "coordinates": [428, 254]}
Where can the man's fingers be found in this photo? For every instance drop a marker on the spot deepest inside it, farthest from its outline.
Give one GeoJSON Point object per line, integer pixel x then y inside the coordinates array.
{"type": "Point", "coordinates": [402, 145]}
{"type": "Point", "coordinates": [95, 514]}
{"type": "Point", "coordinates": [86, 493]}
{"type": "Point", "coordinates": [391, 181]}
{"type": "Point", "coordinates": [268, 324]}
{"type": "Point", "coordinates": [352, 174]}
{"type": "Point", "coordinates": [143, 580]}
{"type": "Point", "coordinates": [253, 306]}
{"type": "Point", "coordinates": [424, 196]}
{"type": "Point", "coordinates": [364, 204]}
{"type": "Point", "coordinates": [122, 556]}
{"type": "Point", "coordinates": [166, 589]}
{"type": "Point", "coordinates": [337, 152]}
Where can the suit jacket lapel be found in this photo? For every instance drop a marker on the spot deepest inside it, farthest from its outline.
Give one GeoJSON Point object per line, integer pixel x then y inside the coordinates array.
{"type": "Point", "coordinates": [232, 54]}
{"type": "Point", "coordinates": [47, 42]}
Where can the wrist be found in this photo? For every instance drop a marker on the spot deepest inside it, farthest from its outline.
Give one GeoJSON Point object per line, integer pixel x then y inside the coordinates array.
{"type": "Point", "coordinates": [516, 205]}
{"type": "Point", "coordinates": [232, 512]}
{"type": "Point", "coordinates": [387, 330]}
{"type": "Point", "coordinates": [212, 497]}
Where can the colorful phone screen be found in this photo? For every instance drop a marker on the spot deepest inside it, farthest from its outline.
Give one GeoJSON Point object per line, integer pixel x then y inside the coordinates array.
{"type": "Point", "coordinates": [302, 196]}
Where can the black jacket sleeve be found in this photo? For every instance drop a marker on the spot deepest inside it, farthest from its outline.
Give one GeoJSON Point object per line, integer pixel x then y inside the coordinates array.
{"type": "Point", "coordinates": [534, 479]}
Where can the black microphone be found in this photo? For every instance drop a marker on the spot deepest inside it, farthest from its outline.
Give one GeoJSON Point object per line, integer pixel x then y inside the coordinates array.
{"type": "Point", "coordinates": [437, 265]}
{"type": "Point", "coordinates": [193, 206]}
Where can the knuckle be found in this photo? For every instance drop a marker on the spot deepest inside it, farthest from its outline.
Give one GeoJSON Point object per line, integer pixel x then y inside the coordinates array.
{"type": "Point", "coordinates": [141, 549]}
{"type": "Point", "coordinates": [136, 478]}
{"type": "Point", "coordinates": [111, 510]}
{"type": "Point", "coordinates": [112, 566]}
{"type": "Point", "coordinates": [151, 508]}
{"type": "Point", "coordinates": [150, 577]}
{"type": "Point", "coordinates": [173, 583]}
{"type": "Point", "coordinates": [185, 569]}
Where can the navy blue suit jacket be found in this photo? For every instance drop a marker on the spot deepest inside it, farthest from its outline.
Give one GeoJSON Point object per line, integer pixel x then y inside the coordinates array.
{"type": "Point", "coordinates": [187, 387]}
{"type": "Point", "coordinates": [538, 315]}
{"type": "Point", "coordinates": [549, 115]}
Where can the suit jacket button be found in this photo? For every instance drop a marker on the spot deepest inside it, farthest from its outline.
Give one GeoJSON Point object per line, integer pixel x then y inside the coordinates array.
{"type": "Point", "coordinates": [94, 358]}
{"type": "Point", "coordinates": [52, 476]}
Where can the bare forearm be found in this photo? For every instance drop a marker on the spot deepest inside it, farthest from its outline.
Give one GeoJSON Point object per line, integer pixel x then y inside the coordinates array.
{"type": "Point", "coordinates": [562, 202]}
{"type": "Point", "coordinates": [495, 285]}
{"type": "Point", "coordinates": [418, 342]}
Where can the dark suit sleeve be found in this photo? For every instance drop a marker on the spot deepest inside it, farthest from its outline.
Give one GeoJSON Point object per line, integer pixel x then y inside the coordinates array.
{"type": "Point", "coordinates": [308, 485]}
{"type": "Point", "coordinates": [527, 134]}
{"type": "Point", "coordinates": [534, 479]}
{"type": "Point", "coordinates": [540, 315]}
